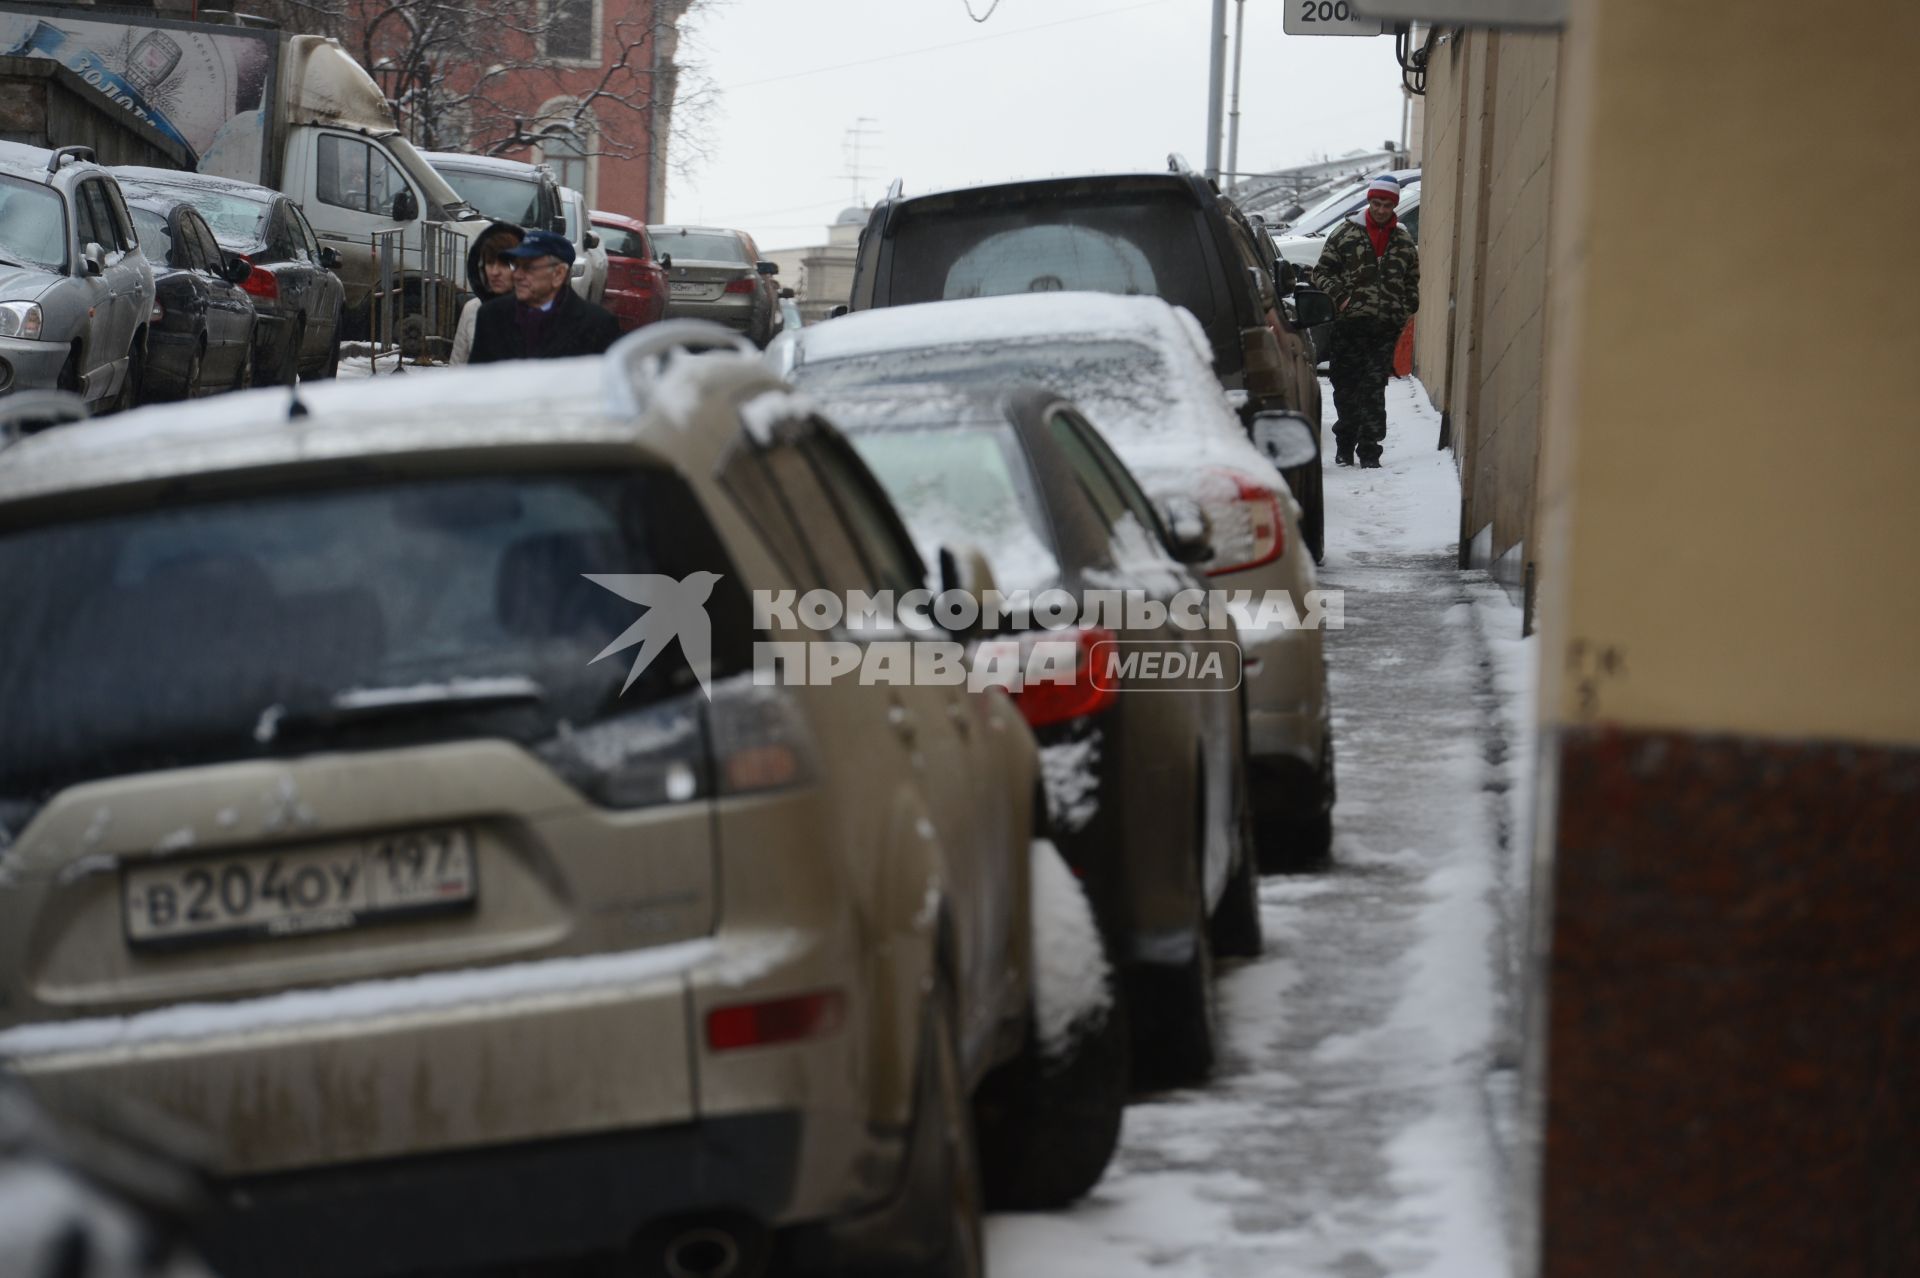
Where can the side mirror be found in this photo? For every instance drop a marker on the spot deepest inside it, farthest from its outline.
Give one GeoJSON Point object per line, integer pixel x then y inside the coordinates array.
{"type": "Point", "coordinates": [235, 270]}
{"type": "Point", "coordinates": [405, 206]}
{"type": "Point", "coordinates": [766, 268]}
{"type": "Point", "coordinates": [1311, 307]}
{"type": "Point", "coordinates": [329, 259]}
{"type": "Point", "coordinates": [965, 569]}
{"type": "Point", "coordinates": [666, 261]}
{"type": "Point", "coordinates": [1187, 535]}
{"type": "Point", "coordinates": [1286, 276]}
{"type": "Point", "coordinates": [95, 257]}
{"type": "Point", "coordinates": [593, 241]}
{"type": "Point", "coordinates": [1263, 287]}
{"type": "Point", "coordinates": [1285, 439]}
{"type": "Point", "coordinates": [579, 269]}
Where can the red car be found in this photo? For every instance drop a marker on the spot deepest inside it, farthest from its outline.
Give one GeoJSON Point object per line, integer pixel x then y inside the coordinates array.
{"type": "Point", "coordinates": [636, 280]}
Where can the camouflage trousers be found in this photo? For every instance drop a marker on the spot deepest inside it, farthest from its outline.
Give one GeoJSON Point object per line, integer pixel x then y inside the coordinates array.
{"type": "Point", "coordinates": [1359, 361]}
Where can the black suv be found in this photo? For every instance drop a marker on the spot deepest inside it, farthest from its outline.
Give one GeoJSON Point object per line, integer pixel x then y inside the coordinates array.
{"type": "Point", "coordinates": [1170, 235]}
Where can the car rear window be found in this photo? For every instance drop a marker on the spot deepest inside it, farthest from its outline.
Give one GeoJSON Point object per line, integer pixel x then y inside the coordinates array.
{"type": "Point", "coordinates": [167, 637]}
{"type": "Point", "coordinates": [1141, 244]}
{"type": "Point", "coordinates": [699, 246]}
{"type": "Point", "coordinates": [622, 242]}
{"type": "Point", "coordinates": [235, 219]}
{"type": "Point", "coordinates": [156, 241]}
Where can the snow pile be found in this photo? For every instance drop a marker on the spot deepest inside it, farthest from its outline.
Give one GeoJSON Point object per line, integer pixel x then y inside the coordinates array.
{"type": "Point", "coordinates": [767, 412]}
{"type": "Point", "coordinates": [1070, 977]}
{"type": "Point", "coordinates": [1070, 771]}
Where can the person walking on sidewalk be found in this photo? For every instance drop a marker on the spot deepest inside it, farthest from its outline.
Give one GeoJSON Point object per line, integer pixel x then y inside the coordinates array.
{"type": "Point", "coordinates": [543, 318]}
{"type": "Point", "coordinates": [1371, 270]}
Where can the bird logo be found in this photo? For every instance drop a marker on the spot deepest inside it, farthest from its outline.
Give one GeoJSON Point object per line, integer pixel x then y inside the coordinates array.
{"type": "Point", "coordinates": [676, 608]}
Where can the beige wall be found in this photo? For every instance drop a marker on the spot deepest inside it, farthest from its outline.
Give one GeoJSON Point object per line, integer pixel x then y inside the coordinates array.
{"type": "Point", "coordinates": [1733, 430]}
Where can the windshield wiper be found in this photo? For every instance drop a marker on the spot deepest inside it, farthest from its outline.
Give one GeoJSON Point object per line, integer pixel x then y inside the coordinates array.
{"type": "Point", "coordinates": [368, 705]}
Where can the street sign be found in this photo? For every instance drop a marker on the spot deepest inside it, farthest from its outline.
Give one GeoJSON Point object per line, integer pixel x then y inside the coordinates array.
{"type": "Point", "coordinates": [1518, 14]}
{"type": "Point", "coordinates": [1327, 18]}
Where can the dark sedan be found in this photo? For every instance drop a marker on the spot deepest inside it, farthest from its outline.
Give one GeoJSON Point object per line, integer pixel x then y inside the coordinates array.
{"type": "Point", "coordinates": [294, 290]}
{"type": "Point", "coordinates": [1143, 772]}
{"type": "Point", "coordinates": [200, 334]}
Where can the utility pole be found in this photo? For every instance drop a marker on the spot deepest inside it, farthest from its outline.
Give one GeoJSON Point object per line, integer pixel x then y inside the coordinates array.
{"type": "Point", "coordinates": [1233, 125]}
{"type": "Point", "coordinates": [852, 147]}
{"type": "Point", "coordinates": [1216, 84]}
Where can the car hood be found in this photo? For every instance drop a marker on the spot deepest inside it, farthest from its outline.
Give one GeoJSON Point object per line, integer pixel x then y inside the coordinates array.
{"type": "Point", "coordinates": [25, 283]}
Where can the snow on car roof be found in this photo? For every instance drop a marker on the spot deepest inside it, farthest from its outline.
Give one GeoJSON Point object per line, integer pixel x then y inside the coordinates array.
{"type": "Point", "coordinates": [527, 404]}
{"type": "Point", "coordinates": [984, 319]}
{"type": "Point", "coordinates": [138, 176]}
{"type": "Point", "coordinates": [479, 163]}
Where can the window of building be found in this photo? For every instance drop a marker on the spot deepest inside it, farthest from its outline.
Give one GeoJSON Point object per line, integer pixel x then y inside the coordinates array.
{"type": "Point", "coordinates": [563, 152]}
{"type": "Point", "coordinates": [571, 28]}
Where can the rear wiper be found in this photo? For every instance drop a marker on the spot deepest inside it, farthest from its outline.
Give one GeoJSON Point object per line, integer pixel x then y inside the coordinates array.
{"type": "Point", "coordinates": [367, 705]}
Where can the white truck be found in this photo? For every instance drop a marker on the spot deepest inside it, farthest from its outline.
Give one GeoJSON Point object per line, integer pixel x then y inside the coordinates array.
{"type": "Point", "coordinates": [243, 99]}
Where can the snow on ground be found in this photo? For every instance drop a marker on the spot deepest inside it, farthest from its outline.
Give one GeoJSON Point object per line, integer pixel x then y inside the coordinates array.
{"type": "Point", "coordinates": [1360, 1121]}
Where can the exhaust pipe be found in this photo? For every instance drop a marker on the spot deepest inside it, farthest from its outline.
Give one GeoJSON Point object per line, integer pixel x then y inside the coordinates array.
{"type": "Point", "coordinates": [705, 1252]}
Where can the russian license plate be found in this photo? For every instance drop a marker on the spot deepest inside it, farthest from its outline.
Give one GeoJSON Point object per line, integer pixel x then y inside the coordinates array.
{"type": "Point", "coordinates": [272, 894]}
{"type": "Point", "coordinates": [690, 288]}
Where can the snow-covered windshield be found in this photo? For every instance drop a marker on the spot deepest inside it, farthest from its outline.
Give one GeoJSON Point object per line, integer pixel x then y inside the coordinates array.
{"type": "Point", "coordinates": [33, 225]}
{"type": "Point", "coordinates": [164, 637]}
{"type": "Point", "coordinates": [965, 485]}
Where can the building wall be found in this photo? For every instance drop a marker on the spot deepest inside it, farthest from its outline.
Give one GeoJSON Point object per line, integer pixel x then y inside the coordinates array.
{"type": "Point", "coordinates": [1731, 710]}
{"type": "Point", "coordinates": [1487, 177]}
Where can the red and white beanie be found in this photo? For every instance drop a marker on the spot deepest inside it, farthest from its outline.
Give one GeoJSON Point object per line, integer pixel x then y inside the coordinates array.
{"type": "Point", "coordinates": [1384, 187]}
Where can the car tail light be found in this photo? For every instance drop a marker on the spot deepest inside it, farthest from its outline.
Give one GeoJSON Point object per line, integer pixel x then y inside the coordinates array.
{"type": "Point", "coordinates": [1056, 701]}
{"type": "Point", "coordinates": [754, 740]}
{"type": "Point", "coordinates": [1260, 353]}
{"type": "Point", "coordinates": [158, 312]}
{"type": "Point", "coordinates": [742, 285]}
{"type": "Point", "coordinates": [260, 282]}
{"type": "Point", "coordinates": [779, 1020]}
{"type": "Point", "coordinates": [1246, 521]}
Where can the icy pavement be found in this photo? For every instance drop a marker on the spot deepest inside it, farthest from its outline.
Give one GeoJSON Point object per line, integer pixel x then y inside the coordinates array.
{"type": "Point", "coordinates": [1358, 1124]}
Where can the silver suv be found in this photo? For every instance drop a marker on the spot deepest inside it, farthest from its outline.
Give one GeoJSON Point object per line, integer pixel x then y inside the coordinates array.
{"type": "Point", "coordinates": [335, 840]}
{"type": "Point", "coordinates": [75, 290]}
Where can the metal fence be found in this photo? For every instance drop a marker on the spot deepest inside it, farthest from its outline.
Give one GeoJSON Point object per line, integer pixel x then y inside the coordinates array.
{"type": "Point", "coordinates": [414, 311]}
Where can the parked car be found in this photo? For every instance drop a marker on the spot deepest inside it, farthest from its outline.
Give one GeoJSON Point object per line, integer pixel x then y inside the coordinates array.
{"type": "Point", "coordinates": [718, 275]}
{"type": "Point", "coordinates": [1167, 235]}
{"type": "Point", "coordinates": [200, 334]}
{"type": "Point", "coordinates": [503, 190]}
{"type": "Point", "coordinates": [589, 276]}
{"type": "Point", "coordinates": [636, 278]}
{"type": "Point", "coordinates": [75, 289]}
{"type": "Point", "coordinates": [296, 292]}
{"type": "Point", "coordinates": [1146, 777]}
{"type": "Point", "coordinates": [1139, 370]}
{"type": "Point", "coordinates": [526, 953]}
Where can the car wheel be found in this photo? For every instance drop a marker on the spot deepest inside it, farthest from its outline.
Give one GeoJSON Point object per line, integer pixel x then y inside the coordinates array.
{"type": "Point", "coordinates": [1175, 1019]}
{"type": "Point", "coordinates": [1049, 1122]}
{"type": "Point", "coordinates": [1313, 510]}
{"type": "Point", "coordinates": [1295, 842]}
{"type": "Point", "coordinates": [943, 1160]}
{"type": "Point", "coordinates": [289, 373]}
{"type": "Point", "coordinates": [1236, 930]}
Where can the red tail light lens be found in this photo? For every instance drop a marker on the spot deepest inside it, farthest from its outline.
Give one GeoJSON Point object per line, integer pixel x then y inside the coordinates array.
{"type": "Point", "coordinates": [1249, 528]}
{"type": "Point", "coordinates": [742, 285]}
{"type": "Point", "coordinates": [1053, 701]}
{"type": "Point", "coordinates": [780, 1020]}
{"type": "Point", "coordinates": [260, 282]}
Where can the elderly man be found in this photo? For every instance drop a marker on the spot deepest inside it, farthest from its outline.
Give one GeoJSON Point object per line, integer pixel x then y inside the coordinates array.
{"type": "Point", "coordinates": [1371, 270]}
{"type": "Point", "coordinates": [543, 318]}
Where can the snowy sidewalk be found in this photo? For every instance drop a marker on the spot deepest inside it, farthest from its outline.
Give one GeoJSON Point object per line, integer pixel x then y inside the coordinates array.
{"type": "Point", "coordinates": [1351, 1129]}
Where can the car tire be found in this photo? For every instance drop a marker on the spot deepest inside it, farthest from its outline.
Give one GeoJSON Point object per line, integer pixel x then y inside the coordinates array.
{"type": "Point", "coordinates": [1298, 843]}
{"type": "Point", "coordinates": [1048, 1124]}
{"type": "Point", "coordinates": [1236, 931]}
{"type": "Point", "coordinates": [1176, 1022]}
{"type": "Point", "coordinates": [1313, 510]}
{"type": "Point", "coordinates": [942, 1157]}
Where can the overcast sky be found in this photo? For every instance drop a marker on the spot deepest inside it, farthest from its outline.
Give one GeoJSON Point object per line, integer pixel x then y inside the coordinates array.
{"type": "Point", "coordinates": [1042, 87]}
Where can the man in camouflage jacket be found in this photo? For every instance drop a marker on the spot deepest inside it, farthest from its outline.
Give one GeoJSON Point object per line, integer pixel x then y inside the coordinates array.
{"type": "Point", "coordinates": [1371, 270]}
